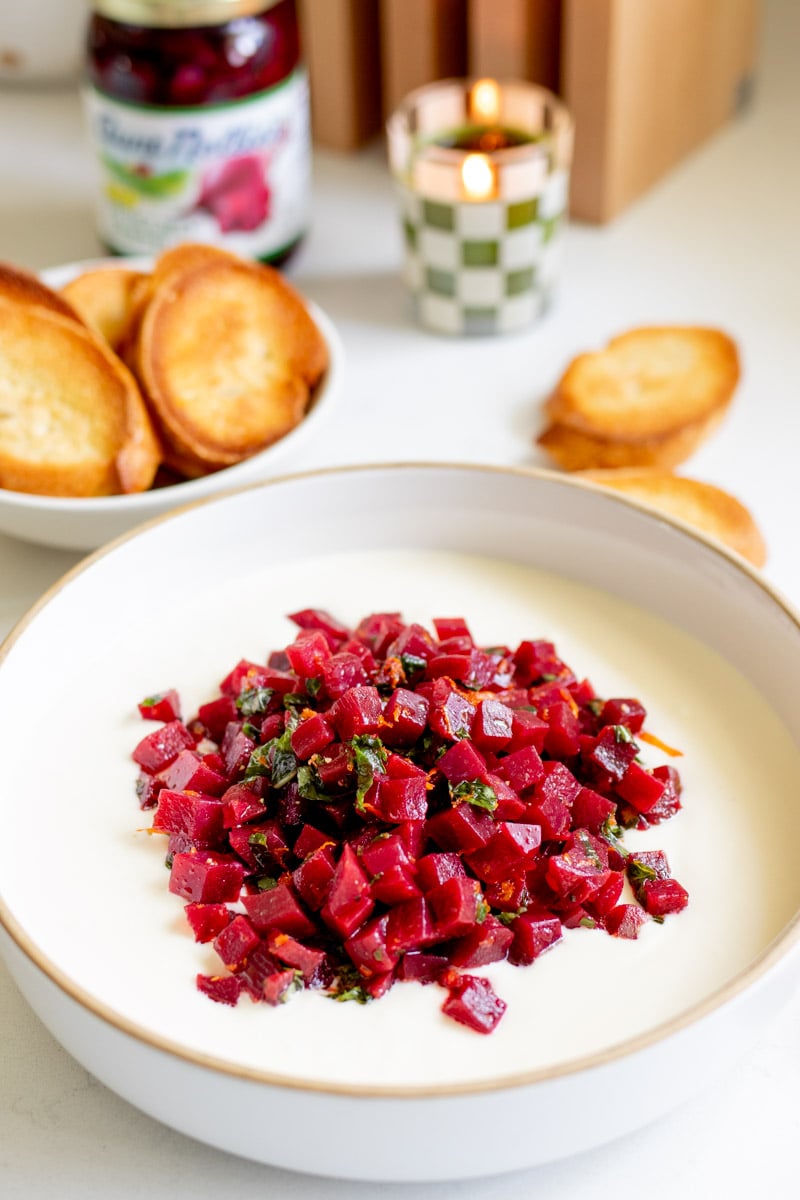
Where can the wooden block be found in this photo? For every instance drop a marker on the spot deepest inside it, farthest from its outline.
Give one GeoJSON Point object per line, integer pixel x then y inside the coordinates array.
{"type": "Point", "coordinates": [646, 84]}
{"type": "Point", "coordinates": [341, 42]}
{"type": "Point", "coordinates": [421, 40]}
{"type": "Point", "coordinates": [516, 39]}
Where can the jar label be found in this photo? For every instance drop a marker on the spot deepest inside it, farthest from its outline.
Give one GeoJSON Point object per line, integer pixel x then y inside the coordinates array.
{"type": "Point", "coordinates": [236, 174]}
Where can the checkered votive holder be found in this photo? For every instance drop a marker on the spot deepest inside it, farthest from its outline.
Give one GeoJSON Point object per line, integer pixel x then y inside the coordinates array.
{"type": "Point", "coordinates": [483, 268]}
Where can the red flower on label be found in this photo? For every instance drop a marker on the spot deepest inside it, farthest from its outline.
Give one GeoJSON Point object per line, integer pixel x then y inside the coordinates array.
{"type": "Point", "coordinates": [236, 194]}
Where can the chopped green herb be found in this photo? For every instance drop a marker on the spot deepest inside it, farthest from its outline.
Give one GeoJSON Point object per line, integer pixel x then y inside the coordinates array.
{"type": "Point", "coordinates": [257, 839]}
{"type": "Point", "coordinates": [595, 706]}
{"type": "Point", "coordinates": [253, 701]}
{"type": "Point", "coordinates": [638, 871]}
{"type": "Point", "coordinates": [369, 758]}
{"type": "Point", "coordinates": [349, 986]}
{"type": "Point", "coordinates": [611, 832]}
{"type": "Point", "coordinates": [476, 793]}
{"type": "Point", "coordinates": [622, 733]}
{"type": "Point", "coordinates": [582, 837]}
{"type": "Point", "coordinates": [276, 760]}
{"type": "Point", "coordinates": [259, 763]}
{"type": "Point", "coordinates": [313, 686]}
{"type": "Point", "coordinates": [251, 731]}
{"type": "Point", "coordinates": [266, 883]}
{"type": "Point", "coordinates": [308, 783]}
{"type": "Point", "coordinates": [588, 923]}
{"type": "Point", "coordinates": [411, 664]}
{"type": "Point", "coordinates": [481, 911]}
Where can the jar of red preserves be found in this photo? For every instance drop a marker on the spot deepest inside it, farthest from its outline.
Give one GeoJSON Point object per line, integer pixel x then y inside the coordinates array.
{"type": "Point", "coordinates": [199, 113]}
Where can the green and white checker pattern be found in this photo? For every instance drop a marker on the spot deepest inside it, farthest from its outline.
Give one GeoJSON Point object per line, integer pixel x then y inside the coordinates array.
{"type": "Point", "coordinates": [478, 268]}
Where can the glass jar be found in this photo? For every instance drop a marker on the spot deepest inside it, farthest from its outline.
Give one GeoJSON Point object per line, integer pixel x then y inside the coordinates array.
{"type": "Point", "coordinates": [199, 114]}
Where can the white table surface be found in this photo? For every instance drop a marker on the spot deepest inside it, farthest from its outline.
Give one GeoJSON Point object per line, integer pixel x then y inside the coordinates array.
{"type": "Point", "coordinates": [715, 243]}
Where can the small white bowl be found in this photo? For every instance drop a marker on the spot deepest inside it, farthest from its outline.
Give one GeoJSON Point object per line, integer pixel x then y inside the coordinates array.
{"type": "Point", "coordinates": [88, 522]}
{"type": "Point", "coordinates": [602, 1035]}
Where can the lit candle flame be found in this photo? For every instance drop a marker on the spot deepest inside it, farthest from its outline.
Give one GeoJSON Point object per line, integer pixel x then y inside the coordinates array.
{"type": "Point", "coordinates": [484, 100]}
{"type": "Point", "coordinates": [477, 176]}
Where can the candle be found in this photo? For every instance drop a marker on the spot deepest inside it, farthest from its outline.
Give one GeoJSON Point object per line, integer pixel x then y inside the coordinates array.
{"type": "Point", "coordinates": [482, 169]}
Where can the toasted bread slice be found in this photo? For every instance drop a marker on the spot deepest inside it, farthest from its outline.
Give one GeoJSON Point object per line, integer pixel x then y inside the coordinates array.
{"type": "Point", "coordinates": [227, 354]}
{"type": "Point", "coordinates": [648, 383]}
{"type": "Point", "coordinates": [72, 420]}
{"type": "Point", "coordinates": [703, 505]}
{"type": "Point", "coordinates": [574, 450]}
{"type": "Point", "coordinates": [107, 300]}
{"type": "Point", "coordinates": [20, 287]}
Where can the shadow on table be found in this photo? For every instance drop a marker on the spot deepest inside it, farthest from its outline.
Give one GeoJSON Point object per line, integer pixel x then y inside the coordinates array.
{"type": "Point", "coordinates": [366, 299]}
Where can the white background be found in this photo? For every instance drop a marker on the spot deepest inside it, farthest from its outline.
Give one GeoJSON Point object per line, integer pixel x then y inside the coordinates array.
{"type": "Point", "coordinates": [714, 243]}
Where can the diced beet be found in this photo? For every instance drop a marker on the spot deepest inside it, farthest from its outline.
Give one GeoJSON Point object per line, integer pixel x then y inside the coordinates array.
{"type": "Point", "coordinates": [659, 897]}
{"type": "Point", "coordinates": [279, 908]}
{"type": "Point", "coordinates": [368, 947]}
{"type": "Point", "coordinates": [640, 788]}
{"type": "Point", "coordinates": [158, 749]}
{"type": "Point", "coordinates": [216, 715]}
{"type": "Point", "coordinates": [627, 712]}
{"type": "Point", "coordinates": [318, 618]}
{"type": "Point", "coordinates": [451, 714]}
{"type": "Point", "coordinates": [669, 802]}
{"type": "Point", "coordinates": [535, 659]}
{"type": "Point", "coordinates": [413, 641]}
{"type": "Point", "coordinates": [433, 869]}
{"type": "Point", "coordinates": [486, 943]}
{"type": "Point", "coordinates": [413, 836]}
{"type": "Point", "coordinates": [312, 964]}
{"type": "Point", "coordinates": [461, 829]}
{"type": "Point", "coordinates": [514, 845]}
{"type": "Point", "coordinates": [224, 989]}
{"type": "Point", "coordinates": [207, 920]}
{"type": "Point", "coordinates": [564, 728]}
{"type": "Point", "coordinates": [613, 752]}
{"type": "Point", "coordinates": [334, 767]}
{"type": "Point", "coordinates": [308, 653]}
{"type": "Point", "coordinates": [462, 762]}
{"type": "Point", "coordinates": [189, 771]}
{"type": "Point", "coordinates": [357, 711]}
{"type": "Point", "coordinates": [245, 675]}
{"type": "Point", "coordinates": [557, 783]}
{"type": "Point", "coordinates": [472, 1002]}
{"type": "Point", "coordinates": [349, 901]}
{"type": "Point", "coordinates": [533, 932]}
{"type": "Point", "coordinates": [606, 897]}
{"type": "Point", "coordinates": [493, 725]}
{"type": "Point", "coordinates": [236, 750]}
{"type": "Point", "coordinates": [147, 789]}
{"type": "Point", "coordinates": [310, 839]}
{"type": "Point", "coordinates": [313, 877]}
{"type": "Point", "coordinates": [553, 817]}
{"type": "Point", "coordinates": [236, 942]}
{"type": "Point", "coordinates": [522, 769]}
{"type": "Point", "coordinates": [206, 877]}
{"type": "Point", "coordinates": [161, 706]}
{"type": "Point", "coordinates": [262, 845]}
{"type": "Point", "coordinates": [527, 729]}
{"type": "Point", "coordinates": [260, 966]}
{"type": "Point", "coordinates": [277, 987]}
{"type": "Point", "coordinates": [422, 966]}
{"type": "Point", "coordinates": [581, 869]}
{"type": "Point", "coordinates": [190, 812]}
{"type": "Point", "coordinates": [240, 804]}
{"type": "Point", "coordinates": [341, 671]}
{"type": "Point", "coordinates": [449, 627]}
{"type": "Point", "coordinates": [509, 894]}
{"type": "Point", "coordinates": [311, 736]}
{"type": "Point", "coordinates": [455, 906]}
{"type": "Point", "coordinates": [451, 666]}
{"type": "Point", "coordinates": [394, 885]}
{"type": "Point", "coordinates": [625, 920]}
{"type": "Point", "coordinates": [510, 806]}
{"type": "Point", "coordinates": [378, 630]}
{"type": "Point", "coordinates": [402, 799]}
{"type": "Point", "coordinates": [410, 926]}
{"type": "Point", "coordinates": [590, 810]}
{"type": "Point", "coordinates": [405, 717]}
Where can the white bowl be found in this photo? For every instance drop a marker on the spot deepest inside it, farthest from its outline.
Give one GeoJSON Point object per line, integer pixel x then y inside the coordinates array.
{"type": "Point", "coordinates": [394, 1090]}
{"type": "Point", "coordinates": [88, 522]}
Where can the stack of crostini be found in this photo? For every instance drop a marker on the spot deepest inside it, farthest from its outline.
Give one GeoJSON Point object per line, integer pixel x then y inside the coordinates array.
{"type": "Point", "coordinates": [193, 366]}
{"type": "Point", "coordinates": [625, 416]}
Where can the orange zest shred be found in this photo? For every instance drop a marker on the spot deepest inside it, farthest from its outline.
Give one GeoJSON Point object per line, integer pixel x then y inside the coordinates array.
{"type": "Point", "coordinates": [652, 740]}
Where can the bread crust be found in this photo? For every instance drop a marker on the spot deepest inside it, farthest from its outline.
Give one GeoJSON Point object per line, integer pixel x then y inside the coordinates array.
{"type": "Point", "coordinates": [107, 301]}
{"type": "Point", "coordinates": [20, 287]}
{"type": "Point", "coordinates": [227, 354]}
{"type": "Point", "coordinates": [647, 384]}
{"type": "Point", "coordinates": [575, 450]}
{"type": "Point", "coordinates": [74, 422]}
{"type": "Point", "coordinates": [703, 505]}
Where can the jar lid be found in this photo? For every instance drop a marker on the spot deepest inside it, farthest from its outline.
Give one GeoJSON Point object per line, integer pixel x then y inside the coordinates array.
{"type": "Point", "coordinates": [176, 14]}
